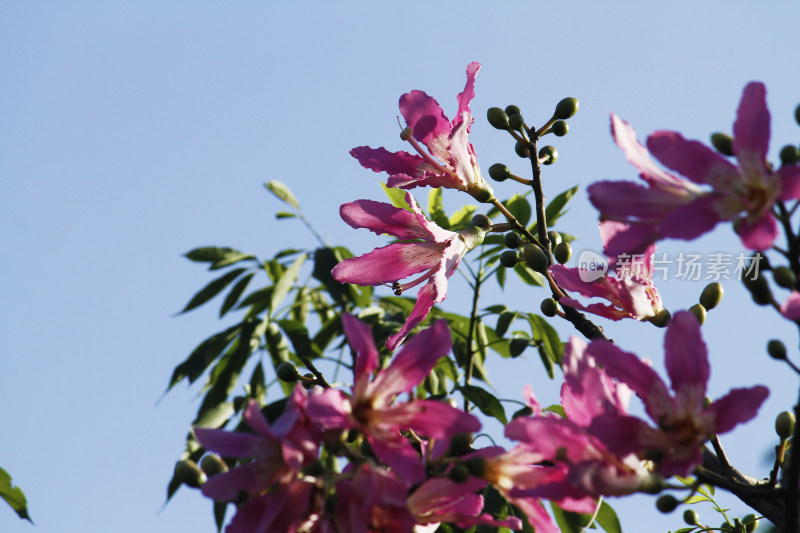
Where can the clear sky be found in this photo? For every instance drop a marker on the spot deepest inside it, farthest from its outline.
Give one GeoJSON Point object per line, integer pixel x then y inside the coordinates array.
{"type": "Point", "coordinates": [133, 131]}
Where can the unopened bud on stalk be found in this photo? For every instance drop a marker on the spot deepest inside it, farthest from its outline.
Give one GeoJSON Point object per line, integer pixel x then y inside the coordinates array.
{"type": "Point", "coordinates": [516, 122]}
{"type": "Point", "coordinates": [563, 252]}
{"type": "Point", "coordinates": [797, 114]}
{"type": "Point", "coordinates": [661, 319]}
{"type": "Point", "coordinates": [481, 221]}
{"type": "Point", "coordinates": [458, 473]}
{"type": "Point", "coordinates": [776, 349]}
{"type": "Point", "coordinates": [188, 473]}
{"type": "Point", "coordinates": [784, 277]}
{"type": "Point", "coordinates": [759, 289]}
{"type": "Point", "coordinates": [287, 372]}
{"type": "Point", "coordinates": [549, 307]}
{"type": "Point", "coordinates": [789, 154]}
{"type": "Point", "coordinates": [559, 128]}
{"type": "Point", "coordinates": [212, 464]}
{"type": "Point", "coordinates": [555, 238]}
{"type": "Point", "coordinates": [310, 382]}
{"type": "Point", "coordinates": [549, 154]}
{"type": "Point", "coordinates": [512, 240]}
{"type": "Point", "coordinates": [699, 313]}
{"type": "Point", "coordinates": [512, 109]}
{"type": "Point", "coordinates": [522, 149]}
{"type": "Point", "coordinates": [499, 172]}
{"type": "Point", "coordinates": [711, 295]}
{"type": "Point", "coordinates": [497, 118]}
{"type": "Point", "coordinates": [750, 522]}
{"type": "Point", "coordinates": [509, 259]}
{"type": "Point", "coordinates": [784, 424]}
{"type": "Point", "coordinates": [691, 517]}
{"type": "Point", "coordinates": [566, 108]}
{"type": "Point", "coordinates": [723, 143]}
{"type": "Point", "coordinates": [535, 258]}
{"type": "Point", "coordinates": [667, 503]}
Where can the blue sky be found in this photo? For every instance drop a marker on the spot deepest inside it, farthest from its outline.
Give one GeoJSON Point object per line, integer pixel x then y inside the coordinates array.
{"type": "Point", "coordinates": [131, 132]}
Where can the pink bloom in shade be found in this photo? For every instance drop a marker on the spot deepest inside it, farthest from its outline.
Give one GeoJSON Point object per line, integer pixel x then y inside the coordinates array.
{"type": "Point", "coordinates": [629, 289]}
{"type": "Point", "coordinates": [278, 451]}
{"type": "Point", "coordinates": [287, 509]}
{"type": "Point", "coordinates": [448, 159]}
{"type": "Point", "coordinates": [372, 408]}
{"type": "Point", "coordinates": [372, 499]}
{"type": "Point", "coordinates": [683, 421]}
{"type": "Point", "coordinates": [442, 500]}
{"type": "Point", "coordinates": [791, 307]}
{"type": "Point", "coordinates": [437, 253]}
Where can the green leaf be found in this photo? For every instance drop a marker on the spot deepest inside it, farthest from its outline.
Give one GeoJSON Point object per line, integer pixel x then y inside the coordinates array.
{"type": "Point", "coordinates": [555, 209]}
{"type": "Point", "coordinates": [284, 284]}
{"type": "Point", "coordinates": [202, 356]}
{"type": "Point", "coordinates": [570, 522]}
{"type": "Point", "coordinates": [485, 401]}
{"type": "Point", "coordinates": [528, 275]}
{"type": "Point", "coordinates": [504, 321]}
{"type": "Point", "coordinates": [13, 496]}
{"type": "Point", "coordinates": [298, 336]}
{"type": "Point", "coordinates": [235, 294]}
{"type": "Point", "coordinates": [436, 208]}
{"type": "Point", "coordinates": [396, 196]}
{"type": "Point", "coordinates": [220, 508]}
{"type": "Point", "coordinates": [218, 257]}
{"type": "Point", "coordinates": [607, 518]}
{"type": "Point", "coordinates": [282, 192]}
{"type": "Point", "coordinates": [547, 342]}
{"type": "Point", "coordinates": [519, 206]}
{"type": "Point", "coordinates": [258, 386]}
{"type": "Point", "coordinates": [212, 289]}
{"type": "Point", "coordinates": [461, 218]}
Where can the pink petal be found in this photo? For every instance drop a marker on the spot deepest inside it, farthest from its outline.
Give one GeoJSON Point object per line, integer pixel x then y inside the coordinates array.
{"type": "Point", "coordinates": [251, 477]}
{"type": "Point", "coordinates": [689, 221]}
{"type": "Point", "coordinates": [401, 457]}
{"type": "Point", "coordinates": [791, 307]}
{"type": "Point", "coordinates": [389, 264]}
{"type": "Point", "coordinates": [686, 360]}
{"type": "Point", "coordinates": [380, 218]}
{"type": "Point", "coordinates": [426, 298]}
{"type": "Point", "coordinates": [551, 437]}
{"type": "Point", "coordinates": [739, 405]}
{"type": "Point", "coordinates": [759, 233]}
{"type": "Point", "coordinates": [466, 96]}
{"type": "Point", "coordinates": [228, 443]}
{"type": "Point", "coordinates": [751, 129]}
{"type": "Point", "coordinates": [429, 123]}
{"type": "Point", "coordinates": [331, 409]}
{"type": "Point", "coordinates": [631, 239]}
{"type": "Point", "coordinates": [437, 234]}
{"type": "Point", "coordinates": [692, 159]}
{"type": "Point", "coordinates": [359, 336]}
{"type": "Point", "coordinates": [414, 362]}
{"type": "Point", "coordinates": [432, 419]}
{"type": "Point", "coordinates": [393, 163]}
{"type": "Point", "coordinates": [790, 182]}
{"type": "Point", "coordinates": [448, 180]}
{"type": "Point", "coordinates": [624, 435]}
{"type": "Point", "coordinates": [622, 199]}
{"type": "Point", "coordinates": [587, 392]}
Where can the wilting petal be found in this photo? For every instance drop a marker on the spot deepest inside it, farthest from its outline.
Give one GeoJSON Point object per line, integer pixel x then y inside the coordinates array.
{"type": "Point", "coordinates": [389, 264]}
{"type": "Point", "coordinates": [751, 129]}
{"type": "Point", "coordinates": [759, 233]}
{"type": "Point", "coordinates": [692, 159]}
{"type": "Point", "coordinates": [380, 217]}
{"type": "Point", "coordinates": [739, 405]}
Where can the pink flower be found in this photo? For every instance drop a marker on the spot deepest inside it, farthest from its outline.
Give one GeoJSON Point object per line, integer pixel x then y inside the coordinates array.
{"type": "Point", "coordinates": [278, 451]}
{"type": "Point", "coordinates": [437, 253]}
{"type": "Point", "coordinates": [630, 290]}
{"type": "Point", "coordinates": [372, 499]}
{"type": "Point", "coordinates": [791, 307]}
{"type": "Point", "coordinates": [372, 409]}
{"type": "Point", "coordinates": [449, 160]}
{"type": "Point", "coordinates": [676, 208]}
{"type": "Point", "coordinates": [683, 420]}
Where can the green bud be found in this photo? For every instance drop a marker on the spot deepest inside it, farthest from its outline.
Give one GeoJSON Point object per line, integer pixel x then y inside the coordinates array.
{"type": "Point", "coordinates": [512, 240]}
{"type": "Point", "coordinates": [667, 503]}
{"type": "Point", "coordinates": [555, 238]}
{"type": "Point", "coordinates": [535, 258]}
{"type": "Point", "coordinates": [723, 143]}
{"type": "Point", "coordinates": [522, 149]}
{"type": "Point", "coordinates": [759, 289]}
{"type": "Point", "coordinates": [512, 109]}
{"type": "Point", "coordinates": [460, 444]}
{"type": "Point", "coordinates": [312, 381]}
{"type": "Point", "coordinates": [549, 154]}
{"type": "Point", "coordinates": [549, 307]}
{"type": "Point", "coordinates": [517, 346]}
{"type": "Point", "coordinates": [481, 221]}
{"type": "Point", "coordinates": [797, 114]}
{"type": "Point", "coordinates": [516, 122]}
{"type": "Point", "coordinates": [458, 473]}
{"type": "Point", "coordinates": [789, 155]}
{"type": "Point", "coordinates": [784, 277]}
{"type": "Point", "coordinates": [509, 259]}
{"type": "Point", "coordinates": [481, 191]}
{"type": "Point", "coordinates": [750, 522]}
{"type": "Point", "coordinates": [784, 424]}
{"type": "Point", "coordinates": [691, 517]}
{"type": "Point", "coordinates": [212, 464]}
{"type": "Point", "coordinates": [287, 372]}
{"type": "Point", "coordinates": [563, 252]}
{"type": "Point", "coordinates": [699, 313]}
{"type": "Point", "coordinates": [660, 319]}
{"type": "Point", "coordinates": [476, 466]}
{"type": "Point", "coordinates": [711, 295]}
{"type": "Point", "coordinates": [188, 473]}
{"type": "Point", "coordinates": [559, 128]}
{"type": "Point", "coordinates": [738, 527]}
{"type": "Point", "coordinates": [499, 172]}
{"type": "Point", "coordinates": [566, 108]}
{"type": "Point", "coordinates": [776, 349]}
{"type": "Point", "coordinates": [497, 118]}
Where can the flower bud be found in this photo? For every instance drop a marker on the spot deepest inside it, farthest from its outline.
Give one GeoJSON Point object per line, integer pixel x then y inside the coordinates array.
{"type": "Point", "coordinates": [797, 114]}
{"type": "Point", "coordinates": [667, 503]}
{"type": "Point", "coordinates": [784, 277]}
{"type": "Point", "coordinates": [481, 191]}
{"type": "Point", "coordinates": [509, 259]}
{"type": "Point", "coordinates": [784, 424]}
{"type": "Point", "coordinates": [188, 473]}
{"type": "Point", "coordinates": [499, 172]}
{"type": "Point", "coordinates": [517, 346]}
{"type": "Point", "coordinates": [481, 221]}
{"type": "Point", "coordinates": [497, 118]}
{"type": "Point", "coordinates": [563, 252]}
{"type": "Point", "coordinates": [566, 108]}
{"type": "Point", "coordinates": [476, 466]}
{"type": "Point", "coordinates": [699, 313]}
{"type": "Point", "coordinates": [460, 444]}
{"type": "Point", "coordinates": [691, 517]}
{"type": "Point", "coordinates": [535, 258]}
{"type": "Point", "coordinates": [789, 154]}
{"type": "Point", "coordinates": [512, 240]}
{"type": "Point", "coordinates": [555, 238]}
{"type": "Point", "coordinates": [711, 295]}
{"type": "Point", "coordinates": [310, 382]}
{"type": "Point", "coordinates": [723, 143]}
{"type": "Point", "coordinates": [750, 522]}
{"type": "Point", "coordinates": [549, 154]}
{"type": "Point", "coordinates": [512, 109]}
{"type": "Point", "coordinates": [287, 372]}
{"type": "Point", "coordinates": [559, 128]}
{"type": "Point", "coordinates": [660, 319]}
{"type": "Point", "coordinates": [759, 289]}
{"type": "Point", "coordinates": [549, 307]}
{"type": "Point", "coordinates": [516, 122]}
{"type": "Point", "coordinates": [776, 349]}
{"type": "Point", "coordinates": [458, 473]}
{"type": "Point", "coordinates": [212, 464]}
{"type": "Point", "coordinates": [522, 149]}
